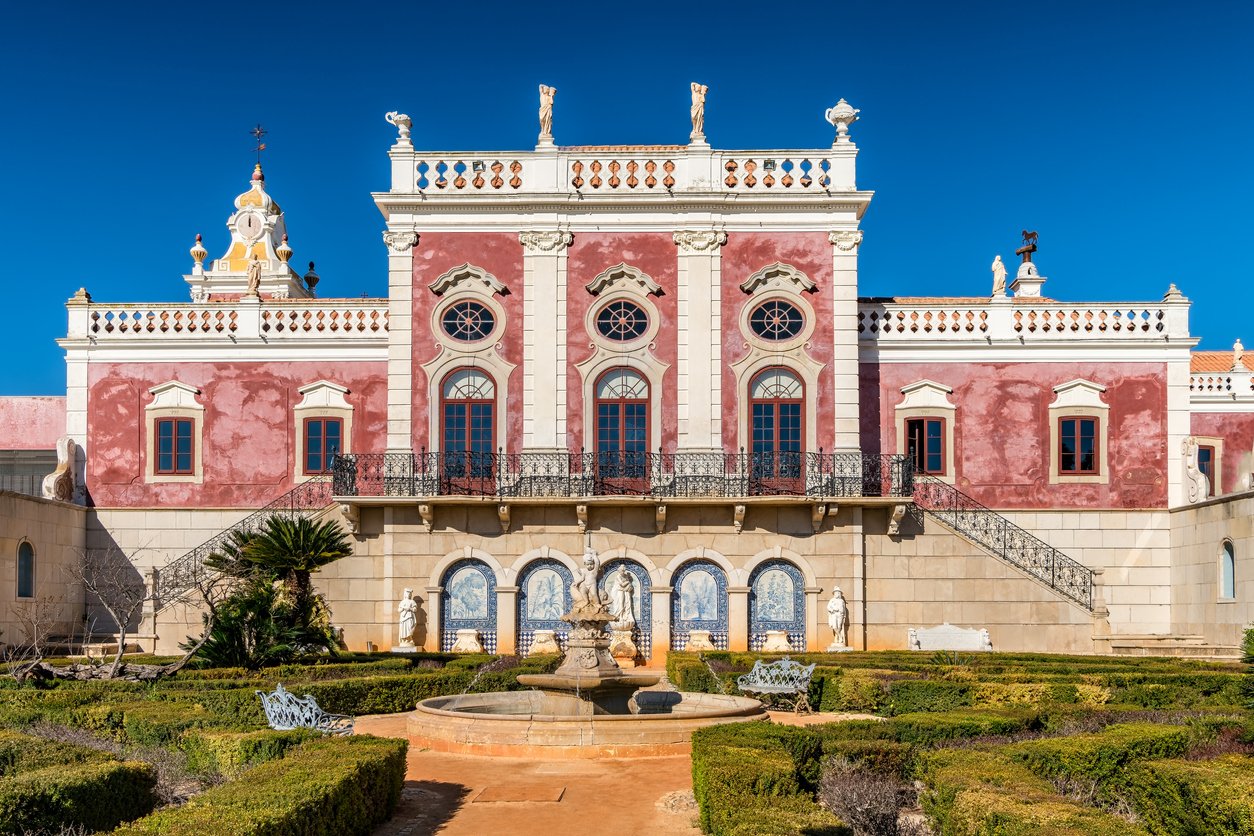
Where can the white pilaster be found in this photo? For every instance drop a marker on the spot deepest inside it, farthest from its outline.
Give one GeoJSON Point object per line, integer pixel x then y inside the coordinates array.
{"type": "Point", "coordinates": [699, 375]}
{"type": "Point", "coordinates": [400, 244]}
{"type": "Point", "coordinates": [845, 244]}
{"type": "Point", "coordinates": [544, 348]}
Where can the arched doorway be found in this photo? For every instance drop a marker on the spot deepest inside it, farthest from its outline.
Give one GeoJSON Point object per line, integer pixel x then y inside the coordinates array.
{"type": "Point", "coordinates": [699, 602]}
{"type": "Point", "coordinates": [622, 433]}
{"type": "Point", "coordinates": [777, 456]}
{"type": "Point", "coordinates": [642, 600]}
{"type": "Point", "coordinates": [468, 602]}
{"type": "Point", "coordinates": [777, 601]}
{"type": "Point", "coordinates": [468, 433]}
{"type": "Point", "coordinates": [543, 598]}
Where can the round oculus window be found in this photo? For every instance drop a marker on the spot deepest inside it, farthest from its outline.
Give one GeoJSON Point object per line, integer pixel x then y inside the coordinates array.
{"type": "Point", "coordinates": [776, 320]}
{"type": "Point", "coordinates": [622, 321]}
{"type": "Point", "coordinates": [468, 321]}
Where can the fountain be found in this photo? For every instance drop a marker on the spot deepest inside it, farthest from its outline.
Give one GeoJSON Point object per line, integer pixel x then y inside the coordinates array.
{"type": "Point", "coordinates": [588, 707]}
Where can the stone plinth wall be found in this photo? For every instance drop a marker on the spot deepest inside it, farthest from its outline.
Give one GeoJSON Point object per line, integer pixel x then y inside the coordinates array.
{"type": "Point", "coordinates": [55, 531]}
{"type": "Point", "coordinates": [1198, 534]}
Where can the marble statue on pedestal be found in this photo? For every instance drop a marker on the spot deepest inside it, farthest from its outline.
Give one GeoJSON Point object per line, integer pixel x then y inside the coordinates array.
{"type": "Point", "coordinates": [698, 109]}
{"type": "Point", "coordinates": [584, 591]}
{"type": "Point", "coordinates": [254, 276]}
{"type": "Point", "coordinates": [546, 112]}
{"type": "Point", "coordinates": [408, 609]}
{"type": "Point", "coordinates": [999, 277]}
{"type": "Point", "coordinates": [838, 620]}
{"type": "Point", "coordinates": [622, 599]}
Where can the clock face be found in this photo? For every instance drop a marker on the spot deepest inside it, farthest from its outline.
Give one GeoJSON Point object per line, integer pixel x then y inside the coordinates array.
{"type": "Point", "coordinates": [249, 226]}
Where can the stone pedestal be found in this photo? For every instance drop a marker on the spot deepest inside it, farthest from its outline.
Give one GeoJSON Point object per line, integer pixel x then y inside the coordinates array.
{"type": "Point", "coordinates": [467, 642]}
{"type": "Point", "coordinates": [838, 648]}
{"type": "Point", "coordinates": [699, 640]}
{"type": "Point", "coordinates": [623, 649]}
{"type": "Point", "coordinates": [405, 648]}
{"type": "Point", "coordinates": [776, 642]}
{"type": "Point", "coordinates": [544, 642]}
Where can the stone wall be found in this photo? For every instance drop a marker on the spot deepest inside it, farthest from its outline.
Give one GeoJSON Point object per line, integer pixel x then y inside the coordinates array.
{"type": "Point", "coordinates": [56, 532]}
{"type": "Point", "coordinates": [1198, 533]}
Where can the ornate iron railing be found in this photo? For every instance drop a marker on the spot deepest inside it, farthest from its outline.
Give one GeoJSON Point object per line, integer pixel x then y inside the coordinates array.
{"type": "Point", "coordinates": [181, 575]}
{"type": "Point", "coordinates": [583, 474]}
{"type": "Point", "coordinates": [1003, 538]}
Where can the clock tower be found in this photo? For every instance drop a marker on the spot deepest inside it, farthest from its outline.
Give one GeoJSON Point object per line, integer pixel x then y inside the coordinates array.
{"type": "Point", "coordinates": [258, 231]}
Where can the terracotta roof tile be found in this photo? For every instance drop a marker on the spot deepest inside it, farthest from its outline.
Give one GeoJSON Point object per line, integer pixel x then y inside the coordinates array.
{"type": "Point", "coordinates": [1208, 362]}
{"type": "Point", "coordinates": [953, 300]}
{"type": "Point", "coordinates": [622, 147]}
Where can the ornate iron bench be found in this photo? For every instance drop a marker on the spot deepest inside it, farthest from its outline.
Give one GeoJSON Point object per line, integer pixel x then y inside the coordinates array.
{"type": "Point", "coordinates": [285, 711]}
{"type": "Point", "coordinates": [784, 678]}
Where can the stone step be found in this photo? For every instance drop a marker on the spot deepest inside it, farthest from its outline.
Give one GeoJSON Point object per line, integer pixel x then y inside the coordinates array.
{"type": "Point", "coordinates": [1190, 647]}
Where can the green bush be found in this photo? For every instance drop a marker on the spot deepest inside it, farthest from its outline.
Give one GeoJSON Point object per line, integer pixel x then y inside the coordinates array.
{"type": "Point", "coordinates": [1101, 757]}
{"type": "Point", "coordinates": [23, 753]}
{"type": "Point", "coordinates": [1191, 798]}
{"type": "Point", "coordinates": [972, 792]}
{"type": "Point", "coordinates": [329, 787]}
{"type": "Point", "coordinates": [914, 695]}
{"type": "Point", "coordinates": [227, 753]}
{"type": "Point", "coordinates": [97, 794]}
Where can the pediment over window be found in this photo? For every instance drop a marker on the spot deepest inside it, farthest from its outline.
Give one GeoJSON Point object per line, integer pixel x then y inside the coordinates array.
{"type": "Point", "coordinates": [926, 394]}
{"type": "Point", "coordinates": [1079, 393]}
{"type": "Point", "coordinates": [471, 276]}
{"type": "Point", "coordinates": [174, 395]}
{"type": "Point", "coordinates": [624, 277]}
{"type": "Point", "coordinates": [779, 276]}
{"type": "Point", "coordinates": [323, 394]}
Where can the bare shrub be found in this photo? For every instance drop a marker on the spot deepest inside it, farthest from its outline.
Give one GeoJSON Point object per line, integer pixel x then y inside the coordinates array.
{"type": "Point", "coordinates": [870, 802]}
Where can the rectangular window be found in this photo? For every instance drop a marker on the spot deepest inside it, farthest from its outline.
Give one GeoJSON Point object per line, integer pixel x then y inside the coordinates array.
{"type": "Point", "coordinates": [322, 442]}
{"type": "Point", "coordinates": [1077, 445]}
{"type": "Point", "coordinates": [1206, 464]}
{"type": "Point", "coordinates": [174, 446]}
{"type": "Point", "coordinates": [925, 444]}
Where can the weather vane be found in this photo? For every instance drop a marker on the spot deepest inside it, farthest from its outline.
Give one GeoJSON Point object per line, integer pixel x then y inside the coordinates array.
{"type": "Point", "coordinates": [258, 132]}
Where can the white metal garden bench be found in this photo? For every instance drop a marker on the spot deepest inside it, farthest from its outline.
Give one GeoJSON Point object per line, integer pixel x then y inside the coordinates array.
{"type": "Point", "coordinates": [784, 678]}
{"type": "Point", "coordinates": [285, 711]}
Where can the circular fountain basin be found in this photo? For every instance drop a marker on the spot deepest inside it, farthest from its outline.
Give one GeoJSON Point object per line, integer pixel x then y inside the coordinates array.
{"type": "Point", "coordinates": [548, 724]}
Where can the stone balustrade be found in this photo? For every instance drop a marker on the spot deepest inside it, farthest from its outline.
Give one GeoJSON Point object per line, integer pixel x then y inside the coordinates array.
{"type": "Point", "coordinates": [1223, 385]}
{"type": "Point", "coordinates": [985, 321]}
{"type": "Point", "coordinates": [590, 170]}
{"type": "Point", "coordinates": [270, 319]}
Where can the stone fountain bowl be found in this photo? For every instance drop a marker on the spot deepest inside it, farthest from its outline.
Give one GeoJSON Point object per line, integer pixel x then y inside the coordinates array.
{"type": "Point", "coordinates": [549, 724]}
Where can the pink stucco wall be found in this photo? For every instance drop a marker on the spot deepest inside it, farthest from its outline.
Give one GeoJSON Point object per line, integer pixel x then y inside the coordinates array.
{"type": "Point", "coordinates": [743, 255]}
{"type": "Point", "coordinates": [249, 446]}
{"type": "Point", "coordinates": [1237, 432]}
{"type": "Point", "coordinates": [501, 255]}
{"type": "Point", "coordinates": [653, 253]}
{"type": "Point", "coordinates": [31, 423]}
{"type": "Point", "coordinates": [1001, 433]}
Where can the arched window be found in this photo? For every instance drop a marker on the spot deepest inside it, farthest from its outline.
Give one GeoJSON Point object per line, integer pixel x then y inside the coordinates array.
{"type": "Point", "coordinates": [777, 404]}
{"type": "Point", "coordinates": [467, 433]}
{"type": "Point", "coordinates": [25, 570]}
{"type": "Point", "coordinates": [622, 432]}
{"type": "Point", "coordinates": [1227, 572]}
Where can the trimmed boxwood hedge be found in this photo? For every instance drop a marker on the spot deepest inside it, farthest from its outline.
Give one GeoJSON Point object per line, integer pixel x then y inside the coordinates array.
{"type": "Point", "coordinates": [330, 787]}
{"type": "Point", "coordinates": [1102, 757]}
{"type": "Point", "coordinates": [228, 753]}
{"type": "Point", "coordinates": [46, 785]}
{"type": "Point", "coordinates": [1188, 798]}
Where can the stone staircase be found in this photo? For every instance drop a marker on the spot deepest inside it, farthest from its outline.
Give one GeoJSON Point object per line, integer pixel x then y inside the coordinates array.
{"type": "Point", "coordinates": [1000, 537]}
{"type": "Point", "coordinates": [1180, 646]}
{"type": "Point", "coordinates": [173, 582]}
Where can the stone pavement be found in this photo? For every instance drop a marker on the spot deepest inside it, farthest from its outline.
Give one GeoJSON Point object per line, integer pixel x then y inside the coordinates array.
{"type": "Point", "coordinates": [466, 795]}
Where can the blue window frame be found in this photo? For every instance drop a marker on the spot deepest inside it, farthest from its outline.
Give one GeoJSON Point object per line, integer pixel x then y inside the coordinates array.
{"type": "Point", "coordinates": [324, 438]}
{"type": "Point", "coordinates": [25, 570]}
{"type": "Point", "coordinates": [175, 446]}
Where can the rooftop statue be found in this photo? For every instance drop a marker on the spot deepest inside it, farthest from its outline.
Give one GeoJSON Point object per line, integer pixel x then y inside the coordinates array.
{"type": "Point", "coordinates": [698, 109]}
{"type": "Point", "coordinates": [999, 277]}
{"type": "Point", "coordinates": [254, 276]}
{"type": "Point", "coordinates": [546, 112]}
{"type": "Point", "coordinates": [402, 122]}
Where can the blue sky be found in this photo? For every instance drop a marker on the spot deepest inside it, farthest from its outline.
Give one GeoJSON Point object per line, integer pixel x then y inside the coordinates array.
{"type": "Point", "coordinates": [1122, 132]}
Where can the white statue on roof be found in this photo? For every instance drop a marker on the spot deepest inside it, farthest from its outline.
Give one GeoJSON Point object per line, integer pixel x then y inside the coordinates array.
{"type": "Point", "coordinates": [999, 277]}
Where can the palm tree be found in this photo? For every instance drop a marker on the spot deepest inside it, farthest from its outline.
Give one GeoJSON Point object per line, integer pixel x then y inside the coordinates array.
{"type": "Point", "coordinates": [291, 550]}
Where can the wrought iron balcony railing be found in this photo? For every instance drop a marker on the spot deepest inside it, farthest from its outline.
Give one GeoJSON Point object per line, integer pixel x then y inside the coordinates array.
{"type": "Point", "coordinates": [658, 475]}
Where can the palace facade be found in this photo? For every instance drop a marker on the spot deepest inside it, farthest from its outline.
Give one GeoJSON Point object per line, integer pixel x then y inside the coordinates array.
{"type": "Point", "coordinates": [658, 353]}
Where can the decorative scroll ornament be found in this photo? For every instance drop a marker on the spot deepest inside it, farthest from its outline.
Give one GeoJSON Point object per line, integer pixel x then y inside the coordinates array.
{"type": "Point", "coordinates": [403, 124]}
{"type": "Point", "coordinates": [1196, 483]}
{"type": "Point", "coordinates": [59, 484]}
{"type": "Point", "coordinates": [699, 240]}
{"type": "Point", "coordinates": [400, 242]}
{"type": "Point", "coordinates": [846, 240]}
{"type": "Point", "coordinates": [779, 276]}
{"type": "Point", "coordinates": [624, 275]}
{"type": "Point", "coordinates": [467, 274]}
{"type": "Point", "coordinates": [545, 242]}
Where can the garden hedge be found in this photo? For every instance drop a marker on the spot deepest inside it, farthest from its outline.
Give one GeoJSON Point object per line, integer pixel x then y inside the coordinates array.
{"type": "Point", "coordinates": [1101, 757]}
{"type": "Point", "coordinates": [1191, 798]}
{"type": "Point", "coordinates": [330, 787]}
{"type": "Point", "coordinates": [228, 753]}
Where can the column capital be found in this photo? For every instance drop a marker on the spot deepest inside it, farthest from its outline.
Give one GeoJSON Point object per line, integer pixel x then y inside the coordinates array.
{"type": "Point", "coordinates": [699, 240]}
{"type": "Point", "coordinates": [846, 240]}
{"type": "Point", "coordinates": [545, 242]}
{"type": "Point", "coordinates": [400, 242]}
